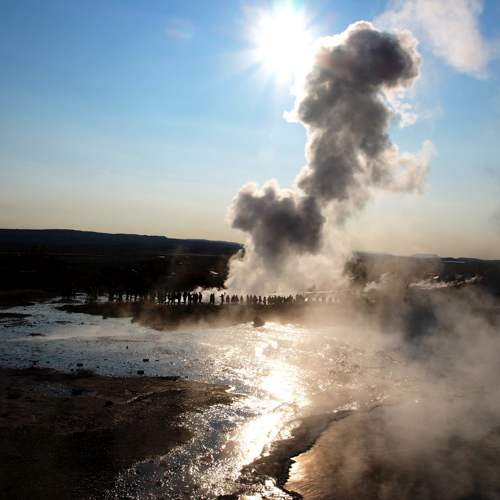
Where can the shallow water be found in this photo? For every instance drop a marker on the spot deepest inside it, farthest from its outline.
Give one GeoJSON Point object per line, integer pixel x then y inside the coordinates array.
{"type": "Point", "coordinates": [282, 371]}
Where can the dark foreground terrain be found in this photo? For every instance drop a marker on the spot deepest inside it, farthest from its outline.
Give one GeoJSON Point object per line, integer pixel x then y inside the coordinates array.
{"type": "Point", "coordinates": [67, 436]}
{"type": "Point", "coordinates": [62, 262]}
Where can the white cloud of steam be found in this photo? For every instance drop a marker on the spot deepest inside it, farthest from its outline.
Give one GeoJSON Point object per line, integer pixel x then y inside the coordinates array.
{"type": "Point", "coordinates": [345, 102]}
{"type": "Point", "coordinates": [450, 27]}
{"type": "Point", "coordinates": [291, 271]}
{"type": "Point", "coordinates": [413, 168]}
{"type": "Point", "coordinates": [495, 218]}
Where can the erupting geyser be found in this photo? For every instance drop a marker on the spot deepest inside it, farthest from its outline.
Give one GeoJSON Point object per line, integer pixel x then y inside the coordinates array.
{"type": "Point", "coordinates": [345, 102]}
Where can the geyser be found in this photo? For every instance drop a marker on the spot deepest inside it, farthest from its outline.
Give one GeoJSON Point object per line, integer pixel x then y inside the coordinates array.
{"type": "Point", "coordinates": [345, 101]}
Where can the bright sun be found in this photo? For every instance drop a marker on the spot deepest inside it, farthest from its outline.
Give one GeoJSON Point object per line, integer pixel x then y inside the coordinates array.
{"type": "Point", "coordinates": [282, 40]}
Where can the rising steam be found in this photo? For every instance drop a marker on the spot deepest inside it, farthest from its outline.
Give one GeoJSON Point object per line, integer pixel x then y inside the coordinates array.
{"type": "Point", "coordinates": [346, 102]}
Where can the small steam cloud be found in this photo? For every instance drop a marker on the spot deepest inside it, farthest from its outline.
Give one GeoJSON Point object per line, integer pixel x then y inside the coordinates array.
{"type": "Point", "coordinates": [451, 27]}
{"type": "Point", "coordinates": [346, 102]}
{"type": "Point", "coordinates": [495, 218]}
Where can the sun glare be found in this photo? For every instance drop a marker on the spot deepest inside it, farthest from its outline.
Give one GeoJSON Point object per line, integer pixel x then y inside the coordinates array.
{"type": "Point", "coordinates": [282, 39]}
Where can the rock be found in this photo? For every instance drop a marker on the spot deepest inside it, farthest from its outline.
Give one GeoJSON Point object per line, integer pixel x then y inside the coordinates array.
{"type": "Point", "coordinates": [76, 391]}
{"type": "Point", "coordinates": [258, 321]}
{"type": "Point", "coordinates": [140, 372]}
{"type": "Point", "coordinates": [83, 373]}
{"type": "Point", "coordinates": [145, 360]}
{"type": "Point", "coordinates": [79, 364]}
{"type": "Point", "coordinates": [37, 335]}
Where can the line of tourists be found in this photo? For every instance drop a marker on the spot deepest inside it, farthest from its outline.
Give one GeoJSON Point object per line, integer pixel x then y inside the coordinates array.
{"type": "Point", "coordinates": [260, 299]}
{"type": "Point", "coordinates": [193, 298]}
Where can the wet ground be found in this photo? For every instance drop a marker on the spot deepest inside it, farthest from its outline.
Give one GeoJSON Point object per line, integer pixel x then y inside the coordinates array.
{"type": "Point", "coordinates": [69, 435]}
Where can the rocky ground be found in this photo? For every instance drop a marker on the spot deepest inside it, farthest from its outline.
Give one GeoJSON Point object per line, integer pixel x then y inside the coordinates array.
{"type": "Point", "coordinates": [68, 436]}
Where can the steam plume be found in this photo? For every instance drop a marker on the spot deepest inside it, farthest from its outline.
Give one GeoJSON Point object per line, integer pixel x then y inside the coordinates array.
{"type": "Point", "coordinates": [345, 104]}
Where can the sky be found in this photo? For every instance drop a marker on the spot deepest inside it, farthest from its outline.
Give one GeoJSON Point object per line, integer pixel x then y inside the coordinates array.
{"type": "Point", "coordinates": [148, 116]}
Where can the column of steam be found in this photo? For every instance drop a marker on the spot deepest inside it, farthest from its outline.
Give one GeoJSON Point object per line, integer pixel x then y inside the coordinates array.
{"type": "Point", "coordinates": [344, 104]}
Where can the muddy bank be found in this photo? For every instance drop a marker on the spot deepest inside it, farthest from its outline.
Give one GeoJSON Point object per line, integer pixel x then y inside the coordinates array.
{"type": "Point", "coordinates": [417, 311]}
{"type": "Point", "coordinates": [68, 436]}
{"type": "Point", "coordinates": [165, 317]}
{"type": "Point", "coordinates": [276, 462]}
{"type": "Point", "coordinates": [22, 297]}
{"type": "Point", "coordinates": [172, 317]}
{"type": "Point", "coordinates": [10, 316]}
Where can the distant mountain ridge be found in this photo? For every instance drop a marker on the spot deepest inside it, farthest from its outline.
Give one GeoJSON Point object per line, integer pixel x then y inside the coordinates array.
{"type": "Point", "coordinates": [71, 240]}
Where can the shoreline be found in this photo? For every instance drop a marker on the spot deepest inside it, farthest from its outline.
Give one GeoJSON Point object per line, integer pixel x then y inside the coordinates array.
{"type": "Point", "coordinates": [69, 435]}
{"type": "Point", "coordinates": [277, 462]}
{"type": "Point", "coordinates": [173, 317]}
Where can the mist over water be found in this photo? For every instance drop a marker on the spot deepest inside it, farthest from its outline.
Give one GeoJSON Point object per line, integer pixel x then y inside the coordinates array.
{"type": "Point", "coordinates": [437, 433]}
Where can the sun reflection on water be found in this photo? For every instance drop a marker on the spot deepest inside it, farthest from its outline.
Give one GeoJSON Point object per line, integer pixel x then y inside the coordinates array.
{"type": "Point", "coordinates": [284, 394]}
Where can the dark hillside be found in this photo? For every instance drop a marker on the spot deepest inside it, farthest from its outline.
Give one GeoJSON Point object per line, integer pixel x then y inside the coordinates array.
{"type": "Point", "coordinates": [72, 241]}
{"type": "Point", "coordinates": [61, 262]}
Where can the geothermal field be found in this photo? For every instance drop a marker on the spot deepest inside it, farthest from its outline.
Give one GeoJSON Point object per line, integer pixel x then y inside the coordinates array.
{"type": "Point", "coordinates": [388, 387]}
{"type": "Point", "coordinates": [322, 321]}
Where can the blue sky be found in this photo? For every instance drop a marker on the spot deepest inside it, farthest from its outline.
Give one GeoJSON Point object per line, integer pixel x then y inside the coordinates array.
{"type": "Point", "coordinates": [140, 116]}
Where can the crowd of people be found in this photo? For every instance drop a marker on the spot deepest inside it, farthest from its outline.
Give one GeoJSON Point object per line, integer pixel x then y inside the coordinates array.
{"type": "Point", "coordinates": [259, 299]}
{"type": "Point", "coordinates": [193, 298]}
